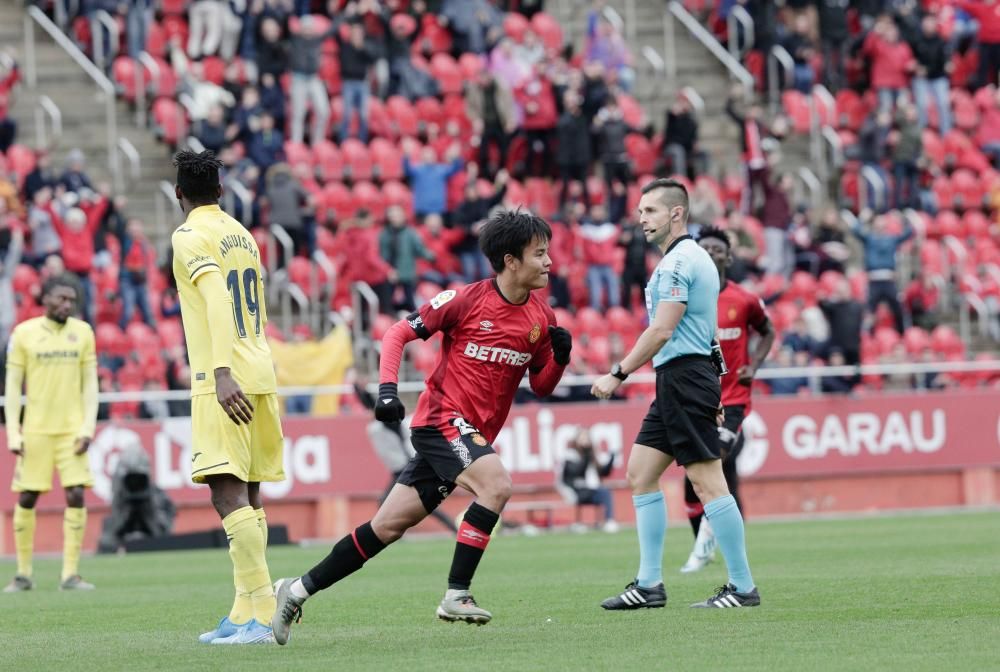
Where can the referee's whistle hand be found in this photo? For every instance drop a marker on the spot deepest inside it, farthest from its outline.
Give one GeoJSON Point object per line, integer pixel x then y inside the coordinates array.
{"type": "Point", "coordinates": [605, 386]}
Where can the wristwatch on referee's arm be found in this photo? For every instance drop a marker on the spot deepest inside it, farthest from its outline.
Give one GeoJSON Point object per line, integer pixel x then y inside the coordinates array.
{"type": "Point", "coordinates": [617, 372]}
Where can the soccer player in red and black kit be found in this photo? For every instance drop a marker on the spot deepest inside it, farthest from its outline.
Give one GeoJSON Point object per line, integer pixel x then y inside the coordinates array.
{"type": "Point", "coordinates": [494, 330]}
{"type": "Point", "coordinates": [739, 311]}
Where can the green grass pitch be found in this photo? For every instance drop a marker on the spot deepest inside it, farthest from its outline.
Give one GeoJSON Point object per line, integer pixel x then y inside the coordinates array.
{"type": "Point", "coordinates": [889, 593]}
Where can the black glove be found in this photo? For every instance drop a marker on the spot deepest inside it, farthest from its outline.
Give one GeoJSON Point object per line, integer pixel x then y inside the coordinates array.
{"type": "Point", "coordinates": [388, 407]}
{"type": "Point", "coordinates": [562, 343]}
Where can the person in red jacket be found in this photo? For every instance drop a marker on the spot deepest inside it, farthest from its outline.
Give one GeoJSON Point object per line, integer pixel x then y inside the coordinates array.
{"type": "Point", "coordinates": [600, 253]}
{"type": "Point", "coordinates": [987, 13]}
{"type": "Point", "coordinates": [77, 230]}
{"type": "Point", "coordinates": [445, 268]}
{"type": "Point", "coordinates": [359, 260]}
{"type": "Point", "coordinates": [891, 62]}
{"type": "Point", "coordinates": [538, 106]}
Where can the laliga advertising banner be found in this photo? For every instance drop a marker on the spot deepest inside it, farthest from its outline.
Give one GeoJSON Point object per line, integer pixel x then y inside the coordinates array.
{"type": "Point", "coordinates": [785, 438]}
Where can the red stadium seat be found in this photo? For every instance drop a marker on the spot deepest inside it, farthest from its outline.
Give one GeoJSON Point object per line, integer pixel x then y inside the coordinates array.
{"type": "Point", "coordinates": [565, 319]}
{"type": "Point", "coordinates": [946, 341]}
{"type": "Point", "coordinates": [123, 71]}
{"type": "Point", "coordinates": [397, 193]}
{"type": "Point", "coordinates": [338, 202]}
{"type": "Point", "coordinates": [916, 340]}
{"type": "Point", "coordinates": [514, 26]}
{"type": "Point", "coordinates": [471, 65]}
{"type": "Point", "coordinates": [641, 152]}
{"type": "Point", "coordinates": [797, 108]}
{"type": "Point", "coordinates": [171, 121]}
{"type": "Point", "coordinates": [307, 276]}
{"type": "Point", "coordinates": [429, 111]}
{"type": "Point", "coordinates": [297, 153]}
{"type": "Point", "coordinates": [110, 340]}
{"type": "Point", "coordinates": [173, 7]}
{"type": "Point", "coordinates": [851, 110]}
{"type": "Point", "coordinates": [388, 159]}
{"type": "Point", "coordinates": [402, 117]}
{"type": "Point", "coordinates": [632, 111]}
{"type": "Point", "coordinates": [357, 161]}
{"type": "Point", "coordinates": [968, 190]}
{"type": "Point", "coordinates": [214, 69]}
{"type": "Point", "coordinates": [433, 37]}
{"type": "Point", "coordinates": [370, 197]}
{"type": "Point", "coordinates": [25, 282]}
{"type": "Point", "coordinates": [549, 31]}
{"type": "Point", "coordinates": [447, 73]}
{"type": "Point", "coordinates": [965, 110]}
{"type": "Point", "coordinates": [621, 322]}
{"type": "Point", "coordinates": [329, 161]}
{"type": "Point", "coordinates": [975, 224]}
{"type": "Point", "coordinates": [21, 160]}
{"type": "Point", "coordinates": [590, 322]}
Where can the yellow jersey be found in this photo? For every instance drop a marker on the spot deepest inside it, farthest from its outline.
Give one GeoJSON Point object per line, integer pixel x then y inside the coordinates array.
{"type": "Point", "coordinates": [210, 241]}
{"type": "Point", "coordinates": [54, 358]}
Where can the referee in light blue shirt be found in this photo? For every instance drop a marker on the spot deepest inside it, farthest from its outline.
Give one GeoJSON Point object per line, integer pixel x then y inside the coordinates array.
{"type": "Point", "coordinates": [682, 423]}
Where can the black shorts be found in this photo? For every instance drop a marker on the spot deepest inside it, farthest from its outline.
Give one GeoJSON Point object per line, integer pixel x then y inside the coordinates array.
{"type": "Point", "coordinates": [731, 432]}
{"type": "Point", "coordinates": [443, 452]}
{"type": "Point", "coordinates": [681, 419]}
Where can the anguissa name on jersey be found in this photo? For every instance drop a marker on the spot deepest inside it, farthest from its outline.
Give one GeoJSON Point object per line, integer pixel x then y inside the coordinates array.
{"type": "Point", "coordinates": [234, 241]}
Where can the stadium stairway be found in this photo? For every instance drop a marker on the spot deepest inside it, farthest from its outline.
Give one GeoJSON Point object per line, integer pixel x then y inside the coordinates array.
{"type": "Point", "coordinates": [696, 67]}
{"type": "Point", "coordinates": [82, 107]}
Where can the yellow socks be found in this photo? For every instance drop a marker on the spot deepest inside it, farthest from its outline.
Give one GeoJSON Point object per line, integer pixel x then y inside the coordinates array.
{"type": "Point", "coordinates": [262, 521]}
{"type": "Point", "coordinates": [74, 525]}
{"type": "Point", "coordinates": [242, 610]}
{"type": "Point", "coordinates": [250, 575]}
{"type": "Point", "coordinates": [24, 538]}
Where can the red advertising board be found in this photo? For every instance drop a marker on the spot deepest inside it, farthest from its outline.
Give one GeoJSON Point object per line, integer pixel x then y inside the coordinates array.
{"type": "Point", "coordinates": [786, 438]}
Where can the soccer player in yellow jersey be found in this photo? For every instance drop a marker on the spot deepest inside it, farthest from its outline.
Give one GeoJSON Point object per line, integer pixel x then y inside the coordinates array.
{"type": "Point", "coordinates": [236, 431]}
{"type": "Point", "coordinates": [56, 356]}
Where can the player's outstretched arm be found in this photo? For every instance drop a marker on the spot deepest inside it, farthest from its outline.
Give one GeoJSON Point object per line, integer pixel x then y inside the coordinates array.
{"type": "Point", "coordinates": [544, 380]}
{"type": "Point", "coordinates": [388, 406]}
{"type": "Point", "coordinates": [222, 333]}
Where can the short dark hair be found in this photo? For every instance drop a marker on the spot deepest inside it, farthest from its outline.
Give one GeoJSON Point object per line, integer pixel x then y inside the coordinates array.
{"type": "Point", "coordinates": [198, 175]}
{"type": "Point", "coordinates": [509, 232]}
{"type": "Point", "coordinates": [715, 233]}
{"type": "Point", "coordinates": [677, 193]}
{"type": "Point", "coordinates": [60, 280]}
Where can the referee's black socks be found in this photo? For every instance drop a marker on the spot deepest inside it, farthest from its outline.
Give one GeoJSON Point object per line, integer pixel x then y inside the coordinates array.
{"type": "Point", "coordinates": [473, 536]}
{"type": "Point", "coordinates": [347, 557]}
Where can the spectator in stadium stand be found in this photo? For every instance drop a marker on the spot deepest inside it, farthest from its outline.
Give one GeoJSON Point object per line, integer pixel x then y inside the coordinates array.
{"type": "Point", "coordinates": [400, 246]}
{"type": "Point", "coordinates": [845, 316]}
{"type": "Point", "coordinates": [489, 105]}
{"type": "Point", "coordinates": [706, 208]}
{"type": "Point", "coordinates": [789, 385]}
{"type": "Point", "coordinates": [211, 131]}
{"type": "Point", "coordinates": [469, 217]}
{"type": "Point", "coordinates": [635, 272]}
{"type": "Point", "coordinates": [680, 137]}
{"type": "Point", "coordinates": [203, 93]}
{"type": "Point", "coordinates": [799, 44]}
{"type": "Point", "coordinates": [831, 242]}
{"type": "Point", "coordinates": [594, 92]}
{"type": "Point", "coordinates": [506, 66]}
{"type": "Point", "coordinates": [797, 338]}
{"type": "Point", "coordinates": [573, 147]}
{"type": "Point", "coordinates": [745, 250]}
{"type": "Point", "coordinates": [356, 56]}
{"type": "Point", "coordinates": [873, 142]}
{"type": "Point", "coordinates": [581, 476]}
{"type": "Point", "coordinates": [933, 69]}
{"type": "Point", "coordinates": [880, 248]}
{"type": "Point", "coordinates": [443, 268]}
{"type": "Point", "coordinates": [404, 78]}
{"type": "Point", "coordinates": [776, 216]}
{"type": "Point", "coordinates": [271, 50]}
{"type": "Point", "coordinates": [987, 13]}
{"type": "Point", "coordinates": [988, 133]}
{"type": "Point", "coordinates": [752, 134]}
{"type": "Point", "coordinates": [475, 25]}
{"type": "Point", "coordinates": [136, 255]}
{"type": "Point", "coordinates": [834, 40]}
{"type": "Point", "coordinates": [74, 178]}
{"type": "Point", "coordinates": [891, 62]}
{"type": "Point", "coordinates": [246, 117]}
{"type": "Point", "coordinates": [429, 180]}
{"type": "Point", "coordinates": [605, 45]}
{"type": "Point", "coordinates": [272, 99]}
{"type": "Point", "coordinates": [11, 248]}
{"type": "Point", "coordinates": [45, 239]}
{"type": "Point", "coordinates": [43, 175]}
{"type": "Point", "coordinates": [600, 240]}
{"type": "Point", "coordinates": [307, 90]}
{"type": "Point", "coordinates": [358, 258]}
{"type": "Point", "coordinates": [531, 51]}
{"type": "Point", "coordinates": [537, 101]}
{"type": "Point", "coordinates": [267, 146]}
{"type": "Point", "coordinates": [611, 130]}
{"type": "Point", "coordinates": [907, 150]}
{"type": "Point", "coordinates": [922, 299]}
{"type": "Point", "coordinates": [836, 384]}
{"type": "Point", "coordinates": [291, 207]}
{"type": "Point", "coordinates": [9, 195]}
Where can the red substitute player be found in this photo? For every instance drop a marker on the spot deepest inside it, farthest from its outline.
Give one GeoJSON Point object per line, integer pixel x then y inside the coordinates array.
{"type": "Point", "coordinates": [739, 311]}
{"type": "Point", "coordinates": [494, 331]}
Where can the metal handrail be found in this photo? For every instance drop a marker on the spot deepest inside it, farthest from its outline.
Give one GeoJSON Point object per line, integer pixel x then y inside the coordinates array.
{"type": "Point", "coordinates": [630, 21]}
{"type": "Point", "coordinates": [194, 144]}
{"type": "Point", "coordinates": [34, 16]}
{"type": "Point", "coordinates": [614, 18]}
{"type": "Point", "coordinates": [834, 148]}
{"type": "Point", "coordinates": [654, 59]}
{"type": "Point", "coordinates": [775, 84]}
{"type": "Point", "coordinates": [165, 192]}
{"type": "Point", "coordinates": [46, 107]}
{"type": "Point", "coordinates": [280, 237]}
{"type": "Point", "coordinates": [363, 347]}
{"type": "Point", "coordinates": [971, 302]}
{"type": "Point", "coordinates": [676, 10]}
{"type": "Point", "coordinates": [294, 294]}
{"type": "Point", "coordinates": [820, 97]}
{"type": "Point", "coordinates": [636, 378]}
{"type": "Point", "coordinates": [187, 102]}
{"type": "Point", "coordinates": [140, 91]}
{"type": "Point", "coordinates": [871, 176]}
{"type": "Point", "coordinates": [739, 17]}
{"type": "Point", "coordinates": [237, 190]}
{"type": "Point", "coordinates": [697, 102]}
{"type": "Point", "coordinates": [131, 154]}
{"type": "Point", "coordinates": [813, 186]}
{"type": "Point", "coordinates": [97, 39]}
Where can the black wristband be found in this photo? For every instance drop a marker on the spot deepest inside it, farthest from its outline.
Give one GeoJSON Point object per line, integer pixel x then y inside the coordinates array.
{"type": "Point", "coordinates": [388, 390]}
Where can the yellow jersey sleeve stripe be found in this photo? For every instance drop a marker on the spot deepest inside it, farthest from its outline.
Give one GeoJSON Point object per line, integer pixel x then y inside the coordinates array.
{"type": "Point", "coordinates": [208, 265]}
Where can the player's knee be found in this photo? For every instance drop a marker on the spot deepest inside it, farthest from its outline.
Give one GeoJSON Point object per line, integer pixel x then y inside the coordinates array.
{"type": "Point", "coordinates": [502, 489]}
{"type": "Point", "coordinates": [27, 500]}
{"type": "Point", "coordinates": [639, 482]}
{"type": "Point", "coordinates": [74, 497]}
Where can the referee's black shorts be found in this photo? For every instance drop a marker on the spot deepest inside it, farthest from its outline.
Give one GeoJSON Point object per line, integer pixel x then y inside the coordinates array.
{"type": "Point", "coordinates": [681, 419]}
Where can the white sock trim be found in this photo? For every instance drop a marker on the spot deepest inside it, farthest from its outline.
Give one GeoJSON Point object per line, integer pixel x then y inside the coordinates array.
{"type": "Point", "coordinates": [298, 590]}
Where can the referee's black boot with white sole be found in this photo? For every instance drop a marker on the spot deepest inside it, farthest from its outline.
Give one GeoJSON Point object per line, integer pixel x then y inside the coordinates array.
{"type": "Point", "coordinates": [636, 597]}
{"type": "Point", "coordinates": [727, 597]}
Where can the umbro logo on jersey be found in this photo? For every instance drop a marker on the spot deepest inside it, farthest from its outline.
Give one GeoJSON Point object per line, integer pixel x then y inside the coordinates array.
{"type": "Point", "coordinates": [486, 325]}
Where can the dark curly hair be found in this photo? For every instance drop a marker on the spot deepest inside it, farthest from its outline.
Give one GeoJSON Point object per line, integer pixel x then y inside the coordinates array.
{"type": "Point", "coordinates": [198, 175]}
